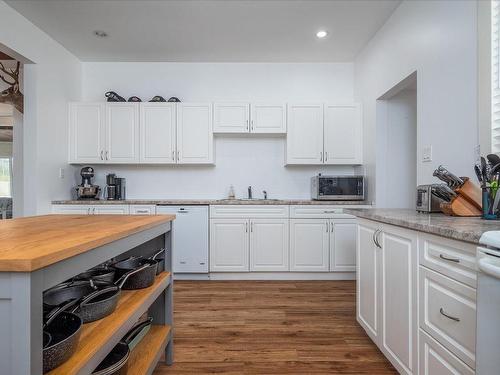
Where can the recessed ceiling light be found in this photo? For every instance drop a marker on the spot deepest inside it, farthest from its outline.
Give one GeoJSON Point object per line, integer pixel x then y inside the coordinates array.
{"type": "Point", "coordinates": [100, 34]}
{"type": "Point", "coordinates": [321, 34]}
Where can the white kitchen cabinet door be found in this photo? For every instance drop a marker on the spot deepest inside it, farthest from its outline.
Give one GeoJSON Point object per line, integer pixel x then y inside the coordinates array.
{"type": "Point", "coordinates": [157, 133]}
{"type": "Point", "coordinates": [87, 133]}
{"type": "Point", "coordinates": [343, 138]}
{"type": "Point", "coordinates": [268, 118]}
{"type": "Point", "coordinates": [343, 245]}
{"type": "Point", "coordinates": [367, 276]}
{"type": "Point", "coordinates": [231, 117]}
{"type": "Point", "coordinates": [269, 245]}
{"type": "Point", "coordinates": [122, 133]}
{"type": "Point", "coordinates": [304, 141]}
{"type": "Point", "coordinates": [434, 359]}
{"type": "Point", "coordinates": [399, 298]}
{"type": "Point", "coordinates": [110, 209]}
{"type": "Point", "coordinates": [195, 140]}
{"type": "Point", "coordinates": [72, 209]}
{"type": "Point", "coordinates": [309, 245]}
{"type": "Point", "coordinates": [229, 242]}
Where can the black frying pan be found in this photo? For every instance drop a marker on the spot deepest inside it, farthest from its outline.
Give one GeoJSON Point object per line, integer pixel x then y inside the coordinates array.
{"type": "Point", "coordinates": [63, 330]}
{"type": "Point", "coordinates": [116, 362]}
{"type": "Point", "coordinates": [140, 280]}
{"type": "Point", "coordinates": [90, 300]}
{"type": "Point", "coordinates": [100, 273]}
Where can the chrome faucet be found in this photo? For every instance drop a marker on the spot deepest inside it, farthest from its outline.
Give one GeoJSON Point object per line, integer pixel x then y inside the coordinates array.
{"type": "Point", "coordinates": [249, 192]}
{"type": "Point", "coordinates": [265, 194]}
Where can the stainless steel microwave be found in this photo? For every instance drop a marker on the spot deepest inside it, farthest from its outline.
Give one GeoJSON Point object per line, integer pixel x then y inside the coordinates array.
{"type": "Point", "coordinates": [342, 188]}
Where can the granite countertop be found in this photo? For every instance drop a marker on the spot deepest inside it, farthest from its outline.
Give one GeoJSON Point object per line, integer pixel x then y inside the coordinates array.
{"type": "Point", "coordinates": [283, 202]}
{"type": "Point", "coordinates": [468, 229]}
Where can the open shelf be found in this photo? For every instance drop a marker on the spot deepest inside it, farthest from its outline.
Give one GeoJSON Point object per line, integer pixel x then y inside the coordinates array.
{"type": "Point", "coordinates": [146, 354]}
{"type": "Point", "coordinates": [99, 337]}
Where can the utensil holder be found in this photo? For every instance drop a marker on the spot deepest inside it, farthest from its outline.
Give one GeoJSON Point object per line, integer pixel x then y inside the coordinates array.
{"type": "Point", "coordinates": [488, 197]}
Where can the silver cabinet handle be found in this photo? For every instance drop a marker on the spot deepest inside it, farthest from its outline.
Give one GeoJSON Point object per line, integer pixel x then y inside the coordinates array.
{"type": "Point", "coordinates": [142, 211]}
{"type": "Point", "coordinates": [253, 127]}
{"type": "Point", "coordinates": [327, 227]}
{"type": "Point", "coordinates": [456, 260]}
{"type": "Point", "coordinates": [93, 211]}
{"type": "Point", "coordinates": [251, 226]}
{"type": "Point", "coordinates": [331, 226]}
{"type": "Point", "coordinates": [376, 238]}
{"type": "Point", "coordinates": [107, 158]}
{"type": "Point", "coordinates": [182, 212]}
{"type": "Point", "coordinates": [448, 316]}
{"type": "Point", "coordinates": [102, 156]}
{"type": "Point", "coordinates": [182, 262]}
{"type": "Point", "coordinates": [321, 156]}
{"type": "Point", "coordinates": [202, 263]}
{"type": "Point", "coordinates": [326, 156]}
{"type": "Point", "coordinates": [173, 155]}
{"type": "Point", "coordinates": [329, 211]}
{"type": "Point", "coordinates": [178, 155]}
{"type": "Point", "coordinates": [247, 124]}
{"type": "Point", "coordinates": [88, 211]}
{"type": "Point", "coordinates": [246, 227]}
{"type": "Point", "coordinates": [373, 237]}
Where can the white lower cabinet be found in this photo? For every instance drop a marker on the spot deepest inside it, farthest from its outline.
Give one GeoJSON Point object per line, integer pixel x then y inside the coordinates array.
{"type": "Point", "coordinates": [399, 298]}
{"type": "Point", "coordinates": [309, 245]}
{"type": "Point", "coordinates": [229, 245]}
{"type": "Point", "coordinates": [269, 245]}
{"type": "Point", "coordinates": [343, 245]}
{"type": "Point", "coordinates": [367, 276]}
{"type": "Point", "coordinates": [387, 291]}
{"type": "Point", "coordinates": [91, 209]}
{"type": "Point", "coordinates": [435, 359]}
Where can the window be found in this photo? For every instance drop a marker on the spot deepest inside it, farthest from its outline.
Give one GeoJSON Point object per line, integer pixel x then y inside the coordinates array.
{"type": "Point", "coordinates": [6, 177]}
{"type": "Point", "coordinates": [495, 75]}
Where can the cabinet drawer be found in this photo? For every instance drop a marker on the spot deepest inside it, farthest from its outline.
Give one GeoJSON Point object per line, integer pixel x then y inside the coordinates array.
{"type": "Point", "coordinates": [448, 313]}
{"type": "Point", "coordinates": [142, 209]}
{"type": "Point", "coordinates": [436, 360]}
{"type": "Point", "coordinates": [318, 212]}
{"type": "Point", "coordinates": [248, 211]}
{"type": "Point", "coordinates": [451, 258]}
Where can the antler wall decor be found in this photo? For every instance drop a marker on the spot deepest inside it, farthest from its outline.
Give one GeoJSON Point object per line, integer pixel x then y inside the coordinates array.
{"type": "Point", "coordinates": [11, 95]}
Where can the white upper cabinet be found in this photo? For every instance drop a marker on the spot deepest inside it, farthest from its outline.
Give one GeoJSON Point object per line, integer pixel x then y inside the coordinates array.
{"type": "Point", "coordinates": [194, 133]}
{"type": "Point", "coordinates": [342, 142]}
{"type": "Point", "coordinates": [87, 132]}
{"type": "Point", "coordinates": [122, 133]}
{"type": "Point", "coordinates": [268, 118]}
{"type": "Point", "coordinates": [304, 144]}
{"type": "Point", "coordinates": [231, 117]}
{"type": "Point", "coordinates": [157, 133]}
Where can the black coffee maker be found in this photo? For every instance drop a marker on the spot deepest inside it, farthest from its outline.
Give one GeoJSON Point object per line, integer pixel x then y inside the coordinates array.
{"type": "Point", "coordinates": [115, 187]}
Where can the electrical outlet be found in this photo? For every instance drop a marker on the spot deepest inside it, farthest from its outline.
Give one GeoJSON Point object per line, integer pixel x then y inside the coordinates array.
{"type": "Point", "coordinates": [427, 154]}
{"type": "Point", "coordinates": [61, 173]}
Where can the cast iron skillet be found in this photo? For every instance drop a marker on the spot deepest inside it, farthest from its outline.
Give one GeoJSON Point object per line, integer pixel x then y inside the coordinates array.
{"type": "Point", "coordinates": [140, 280]}
{"type": "Point", "coordinates": [63, 329]}
{"type": "Point", "coordinates": [116, 362]}
{"type": "Point", "coordinates": [99, 273]}
{"type": "Point", "coordinates": [90, 300]}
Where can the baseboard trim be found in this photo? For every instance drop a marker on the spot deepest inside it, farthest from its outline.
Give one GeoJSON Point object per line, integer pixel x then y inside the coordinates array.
{"type": "Point", "coordinates": [282, 276]}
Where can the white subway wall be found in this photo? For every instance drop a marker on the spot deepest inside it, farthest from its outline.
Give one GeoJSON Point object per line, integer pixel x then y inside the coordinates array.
{"type": "Point", "coordinates": [240, 160]}
{"type": "Point", "coordinates": [438, 39]}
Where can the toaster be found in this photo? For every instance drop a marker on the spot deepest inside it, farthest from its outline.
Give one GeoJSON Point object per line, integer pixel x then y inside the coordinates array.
{"type": "Point", "coordinates": [427, 201]}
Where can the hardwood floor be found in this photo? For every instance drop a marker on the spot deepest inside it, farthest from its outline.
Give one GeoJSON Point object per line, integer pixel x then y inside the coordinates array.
{"type": "Point", "coordinates": [263, 327]}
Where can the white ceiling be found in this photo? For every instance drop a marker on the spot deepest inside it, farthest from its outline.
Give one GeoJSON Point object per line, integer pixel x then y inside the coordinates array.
{"type": "Point", "coordinates": [210, 30]}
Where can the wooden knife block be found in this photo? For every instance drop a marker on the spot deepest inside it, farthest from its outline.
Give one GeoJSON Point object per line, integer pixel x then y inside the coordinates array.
{"type": "Point", "coordinates": [466, 203]}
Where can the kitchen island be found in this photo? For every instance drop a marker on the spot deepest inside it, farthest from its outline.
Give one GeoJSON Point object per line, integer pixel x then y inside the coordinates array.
{"type": "Point", "coordinates": [37, 253]}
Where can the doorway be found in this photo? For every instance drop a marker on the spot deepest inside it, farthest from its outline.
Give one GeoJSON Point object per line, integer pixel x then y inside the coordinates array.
{"type": "Point", "coordinates": [396, 164]}
{"type": "Point", "coordinates": [11, 137]}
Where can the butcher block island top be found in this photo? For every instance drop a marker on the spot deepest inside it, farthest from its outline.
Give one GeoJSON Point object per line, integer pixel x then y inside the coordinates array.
{"type": "Point", "coordinates": [30, 243]}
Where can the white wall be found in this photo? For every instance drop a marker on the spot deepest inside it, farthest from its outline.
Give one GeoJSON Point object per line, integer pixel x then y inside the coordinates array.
{"type": "Point", "coordinates": [397, 135]}
{"type": "Point", "coordinates": [438, 39]}
{"type": "Point", "coordinates": [50, 81]}
{"type": "Point", "coordinates": [240, 160]}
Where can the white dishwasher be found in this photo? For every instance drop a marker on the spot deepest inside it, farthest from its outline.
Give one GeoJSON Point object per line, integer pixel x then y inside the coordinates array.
{"type": "Point", "coordinates": [488, 304]}
{"type": "Point", "coordinates": [189, 238]}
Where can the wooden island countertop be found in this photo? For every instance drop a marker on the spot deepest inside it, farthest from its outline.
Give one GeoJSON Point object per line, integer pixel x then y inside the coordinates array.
{"type": "Point", "coordinates": [30, 243]}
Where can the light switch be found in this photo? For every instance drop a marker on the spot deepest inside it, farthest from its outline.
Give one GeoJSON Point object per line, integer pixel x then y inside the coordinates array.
{"type": "Point", "coordinates": [427, 154]}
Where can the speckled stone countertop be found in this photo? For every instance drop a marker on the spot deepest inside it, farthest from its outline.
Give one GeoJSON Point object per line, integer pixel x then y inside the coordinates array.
{"type": "Point", "coordinates": [457, 228]}
{"type": "Point", "coordinates": [200, 202]}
